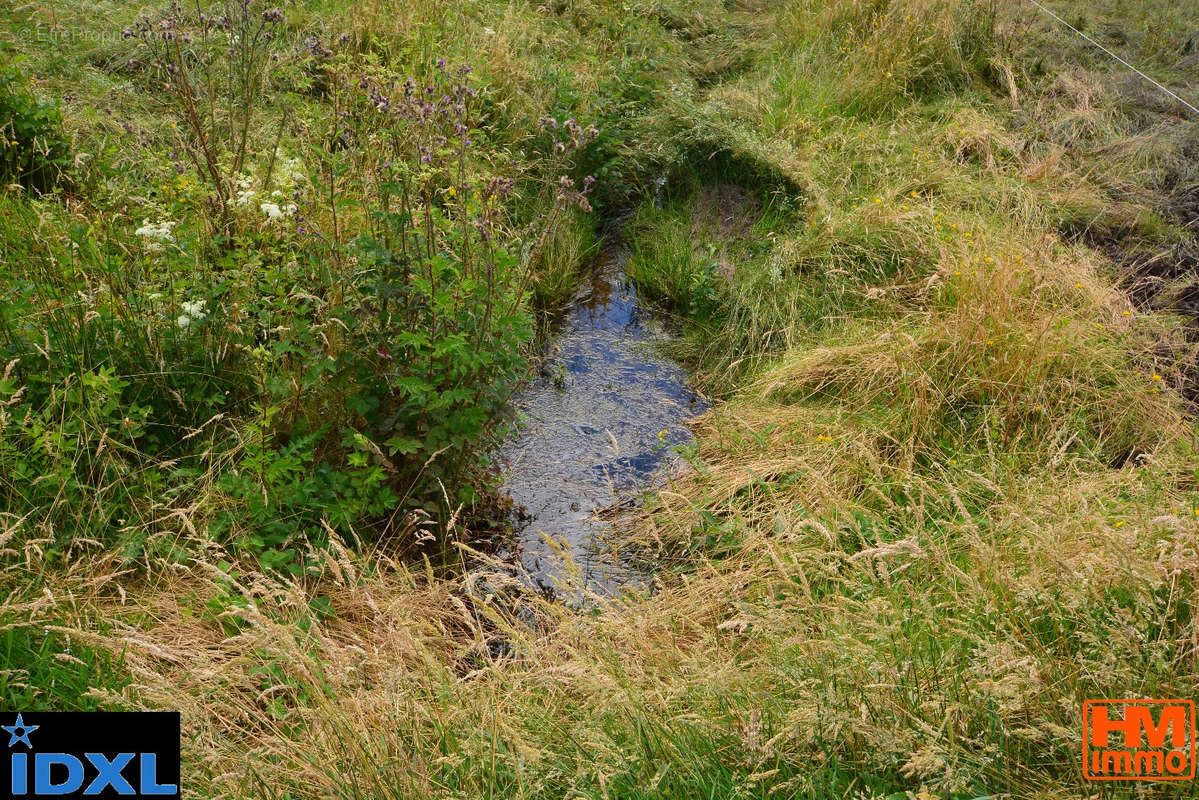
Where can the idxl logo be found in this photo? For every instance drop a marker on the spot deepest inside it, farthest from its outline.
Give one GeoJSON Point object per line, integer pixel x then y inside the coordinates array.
{"type": "Point", "coordinates": [90, 754]}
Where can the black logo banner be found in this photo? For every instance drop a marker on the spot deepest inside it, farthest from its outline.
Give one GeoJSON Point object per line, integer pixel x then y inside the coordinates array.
{"type": "Point", "coordinates": [89, 754]}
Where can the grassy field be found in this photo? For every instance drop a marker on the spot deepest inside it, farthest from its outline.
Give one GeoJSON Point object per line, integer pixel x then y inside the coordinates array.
{"type": "Point", "coordinates": [269, 281]}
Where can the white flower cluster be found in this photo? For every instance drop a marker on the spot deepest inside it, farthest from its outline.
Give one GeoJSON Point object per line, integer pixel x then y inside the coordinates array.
{"type": "Point", "coordinates": [276, 211]}
{"type": "Point", "coordinates": [156, 234]}
{"type": "Point", "coordinates": [193, 311]}
{"type": "Point", "coordinates": [245, 190]}
{"type": "Point", "coordinates": [289, 173]}
{"type": "Point", "coordinates": [288, 177]}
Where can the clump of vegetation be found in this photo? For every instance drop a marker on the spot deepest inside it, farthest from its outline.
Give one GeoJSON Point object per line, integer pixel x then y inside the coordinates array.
{"type": "Point", "coordinates": [34, 150]}
{"type": "Point", "coordinates": [335, 315]}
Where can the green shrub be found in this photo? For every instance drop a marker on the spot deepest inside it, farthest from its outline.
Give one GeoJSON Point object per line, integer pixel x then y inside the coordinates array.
{"type": "Point", "coordinates": [34, 150]}
{"type": "Point", "coordinates": [67, 463]}
{"type": "Point", "coordinates": [292, 334]}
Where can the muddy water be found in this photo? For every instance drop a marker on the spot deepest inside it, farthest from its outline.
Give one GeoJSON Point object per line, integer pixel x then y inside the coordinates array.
{"type": "Point", "coordinates": [598, 426]}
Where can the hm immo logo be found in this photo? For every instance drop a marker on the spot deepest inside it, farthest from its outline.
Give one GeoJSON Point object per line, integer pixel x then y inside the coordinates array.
{"type": "Point", "coordinates": [1138, 740]}
{"type": "Point", "coordinates": [90, 754]}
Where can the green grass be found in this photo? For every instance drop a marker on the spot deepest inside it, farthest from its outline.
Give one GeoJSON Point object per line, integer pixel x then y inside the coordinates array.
{"type": "Point", "coordinates": [562, 259]}
{"type": "Point", "coordinates": [948, 491]}
{"type": "Point", "coordinates": [44, 670]}
{"type": "Point", "coordinates": [664, 261]}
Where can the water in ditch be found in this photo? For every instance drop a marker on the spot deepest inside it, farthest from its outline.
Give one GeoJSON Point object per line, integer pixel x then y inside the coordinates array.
{"type": "Point", "coordinates": [599, 425]}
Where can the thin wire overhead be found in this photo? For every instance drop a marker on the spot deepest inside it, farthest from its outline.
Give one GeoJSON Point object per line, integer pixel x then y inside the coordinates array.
{"type": "Point", "coordinates": [1113, 55]}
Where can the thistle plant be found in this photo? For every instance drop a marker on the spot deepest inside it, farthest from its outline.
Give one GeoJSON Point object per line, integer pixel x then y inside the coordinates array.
{"type": "Point", "coordinates": [566, 140]}
{"type": "Point", "coordinates": [215, 66]}
{"type": "Point", "coordinates": [439, 330]}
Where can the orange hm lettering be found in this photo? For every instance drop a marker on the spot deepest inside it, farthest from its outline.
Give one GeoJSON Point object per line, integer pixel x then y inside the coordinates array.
{"type": "Point", "coordinates": [1139, 739]}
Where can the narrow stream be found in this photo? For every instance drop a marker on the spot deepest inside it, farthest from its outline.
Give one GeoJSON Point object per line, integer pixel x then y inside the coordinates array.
{"type": "Point", "coordinates": [598, 426]}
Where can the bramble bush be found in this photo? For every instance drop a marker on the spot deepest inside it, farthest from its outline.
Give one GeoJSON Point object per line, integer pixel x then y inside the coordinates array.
{"type": "Point", "coordinates": [314, 327]}
{"type": "Point", "coordinates": [34, 149]}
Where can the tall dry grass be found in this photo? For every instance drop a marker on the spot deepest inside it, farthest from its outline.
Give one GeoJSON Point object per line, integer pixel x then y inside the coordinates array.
{"type": "Point", "coordinates": [951, 494]}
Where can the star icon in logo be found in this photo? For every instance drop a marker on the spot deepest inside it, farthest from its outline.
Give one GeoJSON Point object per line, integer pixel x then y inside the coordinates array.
{"type": "Point", "coordinates": [24, 729]}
